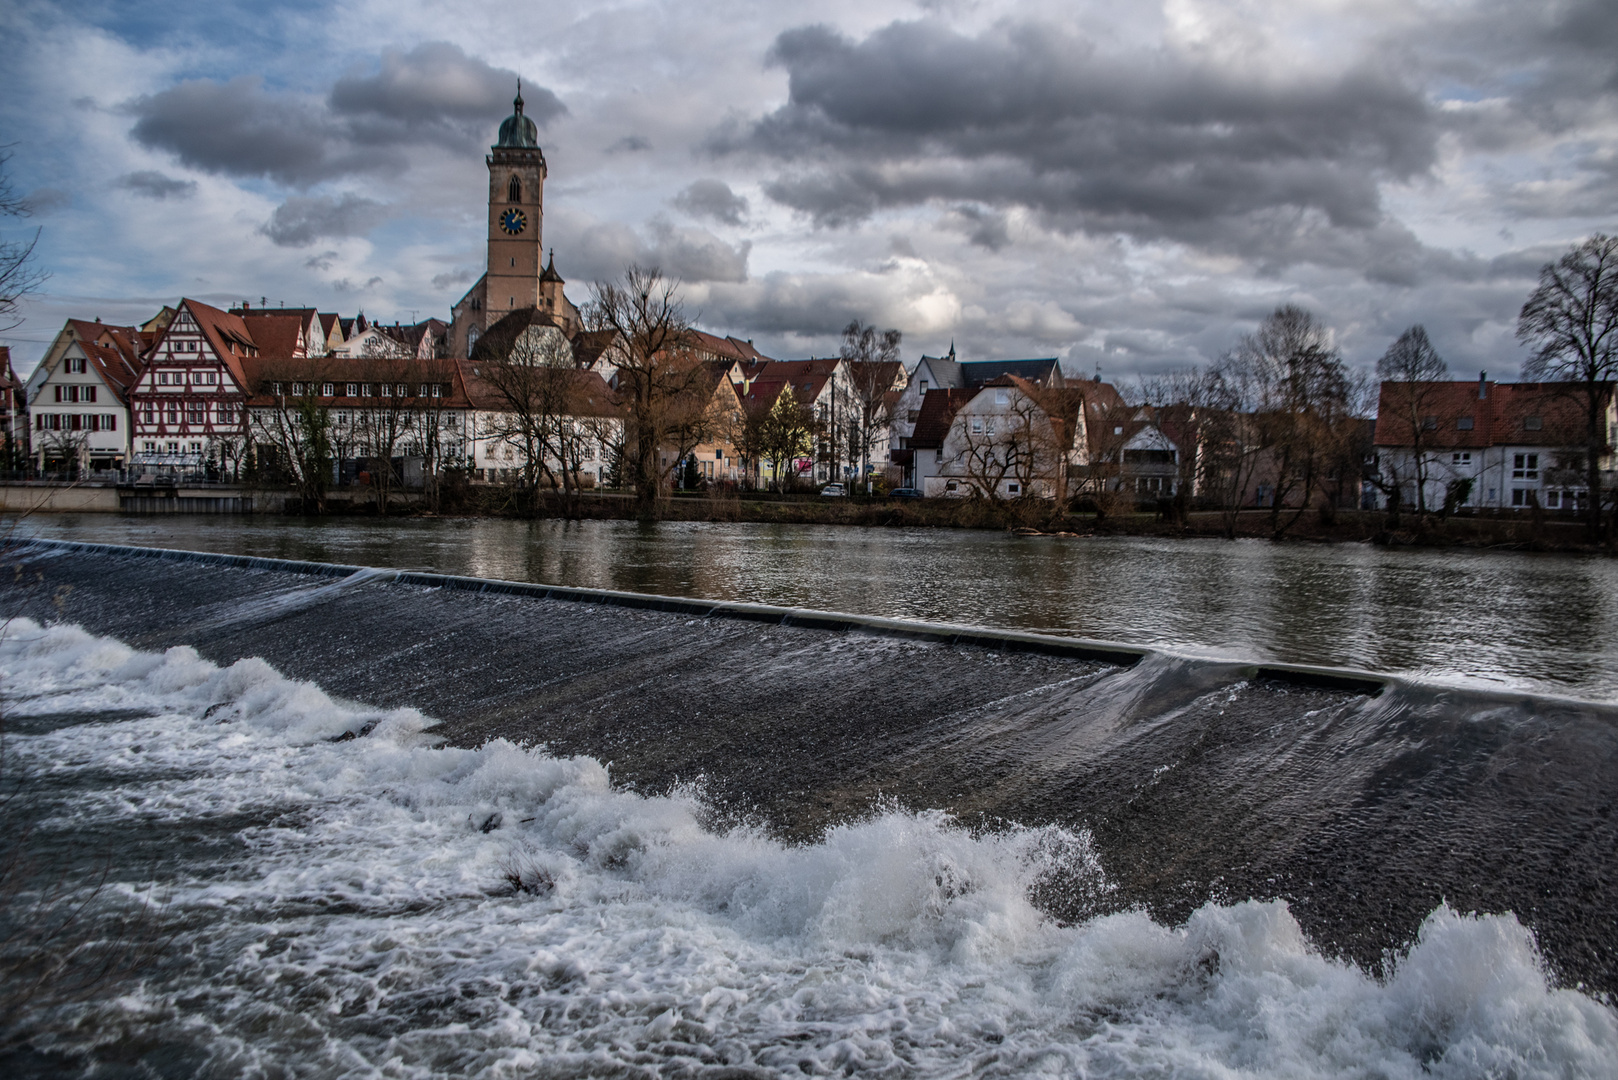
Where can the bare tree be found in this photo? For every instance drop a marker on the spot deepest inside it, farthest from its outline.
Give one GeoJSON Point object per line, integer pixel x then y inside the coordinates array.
{"type": "Point", "coordinates": [1295, 384]}
{"type": "Point", "coordinates": [440, 439]}
{"type": "Point", "coordinates": [1410, 371]}
{"type": "Point", "coordinates": [1571, 321]}
{"type": "Point", "coordinates": [532, 385]}
{"type": "Point", "coordinates": [386, 418]}
{"type": "Point", "coordinates": [19, 276]}
{"type": "Point", "coordinates": [663, 383]}
{"type": "Point", "coordinates": [872, 360]}
{"type": "Point", "coordinates": [1022, 441]}
{"type": "Point", "coordinates": [294, 429]}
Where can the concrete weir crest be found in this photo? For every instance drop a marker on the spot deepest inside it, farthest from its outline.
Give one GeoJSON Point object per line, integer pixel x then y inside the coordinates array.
{"type": "Point", "coordinates": [1121, 654]}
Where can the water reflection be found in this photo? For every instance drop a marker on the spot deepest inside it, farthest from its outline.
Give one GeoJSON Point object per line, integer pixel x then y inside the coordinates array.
{"type": "Point", "coordinates": [1538, 621]}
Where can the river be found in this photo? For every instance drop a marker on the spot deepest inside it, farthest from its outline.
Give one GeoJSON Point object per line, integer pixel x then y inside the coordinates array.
{"type": "Point", "coordinates": [1545, 623]}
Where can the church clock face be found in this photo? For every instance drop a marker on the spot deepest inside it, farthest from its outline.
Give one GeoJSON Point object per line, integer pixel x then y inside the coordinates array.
{"type": "Point", "coordinates": [513, 221]}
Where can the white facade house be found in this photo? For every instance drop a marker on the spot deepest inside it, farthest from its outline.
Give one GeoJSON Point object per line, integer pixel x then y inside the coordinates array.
{"type": "Point", "coordinates": [1486, 445]}
{"type": "Point", "coordinates": [77, 398]}
{"type": "Point", "coordinates": [1004, 443]}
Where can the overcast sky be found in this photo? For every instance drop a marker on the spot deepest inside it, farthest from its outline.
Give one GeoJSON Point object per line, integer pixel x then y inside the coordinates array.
{"type": "Point", "coordinates": [1131, 190]}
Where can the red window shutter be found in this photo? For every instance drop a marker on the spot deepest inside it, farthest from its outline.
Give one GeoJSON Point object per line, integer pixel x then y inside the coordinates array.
{"type": "Point", "coordinates": [78, 422]}
{"type": "Point", "coordinates": [112, 423]}
{"type": "Point", "coordinates": [58, 393]}
{"type": "Point", "coordinates": [90, 391]}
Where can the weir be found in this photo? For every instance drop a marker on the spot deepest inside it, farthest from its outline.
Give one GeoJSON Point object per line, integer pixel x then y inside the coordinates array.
{"type": "Point", "coordinates": [1363, 800]}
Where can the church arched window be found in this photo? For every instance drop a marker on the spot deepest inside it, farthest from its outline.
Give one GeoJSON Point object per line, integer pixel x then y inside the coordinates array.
{"type": "Point", "coordinates": [514, 190]}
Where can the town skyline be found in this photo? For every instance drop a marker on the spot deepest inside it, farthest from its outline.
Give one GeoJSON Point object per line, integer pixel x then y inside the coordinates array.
{"type": "Point", "coordinates": [1021, 180]}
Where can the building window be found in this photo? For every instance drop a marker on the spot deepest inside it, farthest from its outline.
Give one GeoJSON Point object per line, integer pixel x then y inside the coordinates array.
{"type": "Point", "coordinates": [387, 389]}
{"type": "Point", "coordinates": [1525, 467]}
{"type": "Point", "coordinates": [275, 389]}
{"type": "Point", "coordinates": [401, 390]}
{"type": "Point", "coordinates": [328, 390]}
{"type": "Point", "coordinates": [1012, 489]}
{"type": "Point", "coordinates": [1002, 397]}
{"type": "Point", "coordinates": [977, 425]}
{"type": "Point", "coordinates": [297, 389]}
{"type": "Point", "coordinates": [109, 422]}
{"type": "Point", "coordinates": [1464, 424]}
{"type": "Point", "coordinates": [514, 190]}
{"type": "Point", "coordinates": [1553, 500]}
{"type": "Point", "coordinates": [1429, 423]}
{"type": "Point", "coordinates": [1519, 497]}
{"type": "Point", "coordinates": [365, 389]}
{"type": "Point", "coordinates": [1464, 458]}
{"type": "Point", "coordinates": [1533, 423]}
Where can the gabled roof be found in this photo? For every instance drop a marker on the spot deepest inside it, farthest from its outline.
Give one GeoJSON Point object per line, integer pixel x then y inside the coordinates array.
{"type": "Point", "coordinates": [497, 341]}
{"type": "Point", "coordinates": [1499, 418]}
{"type": "Point", "coordinates": [875, 375]}
{"type": "Point", "coordinates": [588, 345]}
{"type": "Point", "coordinates": [938, 409]}
{"type": "Point", "coordinates": [1045, 372]}
{"type": "Point", "coordinates": [115, 370]}
{"type": "Point", "coordinates": [762, 393]}
{"type": "Point", "coordinates": [329, 320]}
{"type": "Point", "coordinates": [727, 348]}
{"type": "Point", "coordinates": [798, 370]}
{"type": "Point", "coordinates": [227, 334]}
{"type": "Point", "coordinates": [276, 334]}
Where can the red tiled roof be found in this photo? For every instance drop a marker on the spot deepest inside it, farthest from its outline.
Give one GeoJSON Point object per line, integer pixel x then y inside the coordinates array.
{"type": "Point", "coordinates": [223, 330]}
{"type": "Point", "coordinates": [262, 371]}
{"type": "Point", "coordinates": [938, 409]}
{"type": "Point", "coordinates": [274, 333]}
{"type": "Point", "coordinates": [590, 393]}
{"type": "Point", "coordinates": [1500, 418]}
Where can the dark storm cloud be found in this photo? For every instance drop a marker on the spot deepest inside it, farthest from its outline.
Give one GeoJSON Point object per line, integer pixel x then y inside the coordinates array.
{"type": "Point", "coordinates": [1034, 115]}
{"type": "Point", "coordinates": [712, 199]}
{"type": "Point", "coordinates": [156, 185]}
{"type": "Point", "coordinates": [436, 85]}
{"type": "Point", "coordinates": [301, 221]}
{"type": "Point", "coordinates": [369, 122]}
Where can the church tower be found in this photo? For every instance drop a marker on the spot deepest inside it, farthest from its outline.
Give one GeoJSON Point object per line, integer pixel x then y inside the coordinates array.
{"type": "Point", "coordinates": [515, 278]}
{"type": "Point", "coordinates": [516, 215]}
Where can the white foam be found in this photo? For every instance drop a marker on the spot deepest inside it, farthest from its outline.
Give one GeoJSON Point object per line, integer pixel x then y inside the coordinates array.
{"type": "Point", "coordinates": [420, 910]}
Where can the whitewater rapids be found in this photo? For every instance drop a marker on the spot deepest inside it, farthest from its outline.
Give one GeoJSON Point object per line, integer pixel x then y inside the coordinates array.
{"type": "Point", "coordinates": [353, 899]}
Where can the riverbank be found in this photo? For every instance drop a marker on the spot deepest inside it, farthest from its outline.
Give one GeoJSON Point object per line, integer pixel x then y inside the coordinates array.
{"type": "Point", "coordinates": [1519, 532]}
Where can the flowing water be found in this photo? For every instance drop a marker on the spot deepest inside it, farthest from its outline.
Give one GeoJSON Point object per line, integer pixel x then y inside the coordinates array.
{"type": "Point", "coordinates": [345, 825]}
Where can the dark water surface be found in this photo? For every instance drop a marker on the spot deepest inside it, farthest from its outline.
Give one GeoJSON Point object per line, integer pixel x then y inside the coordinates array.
{"type": "Point", "coordinates": [1508, 619]}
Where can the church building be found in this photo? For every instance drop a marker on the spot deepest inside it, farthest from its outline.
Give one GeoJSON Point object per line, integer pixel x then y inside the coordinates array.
{"type": "Point", "coordinates": [514, 278]}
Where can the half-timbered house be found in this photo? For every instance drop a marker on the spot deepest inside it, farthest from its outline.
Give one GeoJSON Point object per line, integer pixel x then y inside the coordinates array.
{"type": "Point", "coordinates": [187, 408]}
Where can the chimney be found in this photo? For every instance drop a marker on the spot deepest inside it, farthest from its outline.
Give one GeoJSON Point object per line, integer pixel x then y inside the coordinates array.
{"type": "Point", "coordinates": [1483, 385]}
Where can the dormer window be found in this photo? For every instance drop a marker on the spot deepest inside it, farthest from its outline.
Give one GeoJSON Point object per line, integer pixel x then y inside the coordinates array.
{"type": "Point", "coordinates": [514, 190]}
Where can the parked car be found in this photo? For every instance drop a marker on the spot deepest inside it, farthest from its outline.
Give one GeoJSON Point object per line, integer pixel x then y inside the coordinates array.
{"type": "Point", "coordinates": [832, 491]}
{"type": "Point", "coordinates": [905, 493]}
